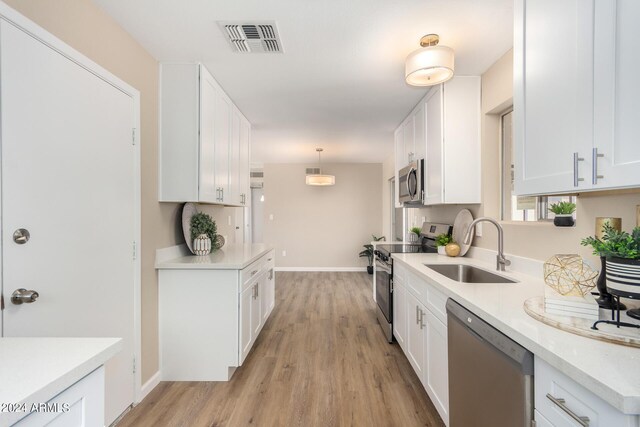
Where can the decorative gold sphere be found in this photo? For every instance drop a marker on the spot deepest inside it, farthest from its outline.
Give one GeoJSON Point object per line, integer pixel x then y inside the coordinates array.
{"type": "Point", "coordinates": [569, 275]}
{"type": "Point", "coordinates": [452, 249]}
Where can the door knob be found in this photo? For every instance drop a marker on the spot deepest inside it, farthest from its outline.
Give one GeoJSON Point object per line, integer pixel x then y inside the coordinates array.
{"type": "Point", "coordinates": [21, 236]}
{"type": "Point", "coordinates": [22, 295]}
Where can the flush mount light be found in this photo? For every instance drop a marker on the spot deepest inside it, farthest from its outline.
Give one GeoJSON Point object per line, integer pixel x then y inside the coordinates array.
{"type": "Point", "coordinates": [429, 65]}
{"type": "Point", "coordinates": [319, 178]}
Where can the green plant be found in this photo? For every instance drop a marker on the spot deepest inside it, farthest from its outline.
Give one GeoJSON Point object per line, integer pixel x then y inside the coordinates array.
{"type": "Point", "coordinates": [416, 230]}
{"type": "Point", "coordinates": [615, 243]}
{"type": "Point", "coordinates": [368, 249]}
{"type": "Point", "coordinates": [563, 208]}
{"type": "Point", "coordinates": [201, 223]}
{"type": "Point", "coordinates": [443, 239]}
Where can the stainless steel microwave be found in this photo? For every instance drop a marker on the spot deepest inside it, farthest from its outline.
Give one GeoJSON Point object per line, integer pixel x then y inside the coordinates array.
{"type": "Point", "coordinates": [410, 183]}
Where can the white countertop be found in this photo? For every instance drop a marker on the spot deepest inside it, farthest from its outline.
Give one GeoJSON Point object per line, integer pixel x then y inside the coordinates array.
{"type": "Point", "coordinates": [229, 257]}
{"type": "Point", "coordinates": [610, 371]}
{"type": "Point", "coordinates": [34, 370]}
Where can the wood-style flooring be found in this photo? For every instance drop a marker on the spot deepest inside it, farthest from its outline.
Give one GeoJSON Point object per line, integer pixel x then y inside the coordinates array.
{"type": "Point", "coordinates": [321, 360]}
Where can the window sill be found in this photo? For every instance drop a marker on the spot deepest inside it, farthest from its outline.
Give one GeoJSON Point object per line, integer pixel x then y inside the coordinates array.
{"type": "Point", "coordinates": [531, 223]}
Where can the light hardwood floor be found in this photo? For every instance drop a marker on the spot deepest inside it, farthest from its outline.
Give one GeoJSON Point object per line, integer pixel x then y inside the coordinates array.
{"type": "Point", "coordinates": [321, 360]}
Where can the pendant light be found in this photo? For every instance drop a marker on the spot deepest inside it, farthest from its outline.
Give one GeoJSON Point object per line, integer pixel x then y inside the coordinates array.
{"type": "Point", "coordinates": [429, 65]}
{"type": "Point", "coordinates": [319, 178]}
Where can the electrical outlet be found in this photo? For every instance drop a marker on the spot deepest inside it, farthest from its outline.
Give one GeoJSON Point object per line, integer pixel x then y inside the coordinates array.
{"type": "Point", "coordinates": [284, 253]}
{"type": "Point", "coordinates": [270, 217]}
{"type": "Point", "coordinates": [229, 221]}
{"type": "Point", "coordinates": [479, 229]}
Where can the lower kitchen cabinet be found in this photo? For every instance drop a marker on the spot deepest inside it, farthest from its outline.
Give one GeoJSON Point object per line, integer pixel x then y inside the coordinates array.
{"type": "Point", "coordinates": [210, 318]}
{"type": "Point", "coordinates": [422, 335]}
{"type": "Point", "coordinates": [561, 402]}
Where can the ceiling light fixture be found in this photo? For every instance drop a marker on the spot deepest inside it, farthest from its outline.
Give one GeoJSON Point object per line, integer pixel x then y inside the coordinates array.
{"type": "Point", "coordinates": [429, 65]}
{"type": "Point", "coordinates": [319, 178]}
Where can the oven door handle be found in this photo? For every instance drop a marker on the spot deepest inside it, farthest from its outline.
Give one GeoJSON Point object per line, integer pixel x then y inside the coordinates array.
{"type": "Point", "coordinates": [383, 267]}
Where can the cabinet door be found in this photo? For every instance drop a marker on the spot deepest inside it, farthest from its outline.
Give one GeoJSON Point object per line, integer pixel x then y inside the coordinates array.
{"type": "Point", "coordinates": [245, 161]}
{"type": "Point", "coordinates": [235, 190]}
{"type": "Point", "coordinates": [398, 144]}
{"type": "Point", "coordinates": [207, 191]}
{"type": "Point", "coordinates": [408, 133]}
{"type": "Point", "coordinates": [553, 95]}
{"type": "Point", "coordinates": [616, 94]}
{"type": "Point", "coordinates": [222, 138]}
{"type": "Point", "coordinates": [420, 131]}
{"type": "Point", "coordinates": [246, 337]}
{"type": "Point", "coordinates": [433, 158]}
{"type": "Point", "coordinates": [256, 307]}
{"type": "Point", "coordinates": [436, 372]}
{"type": "Point", "coordinates": [415, 334]}
{"type": "Point", "coordinates": [399, 313]}
{"type": "Point", "coordinates": [264, 297]}
{"type": "Point", "coordinates": [271, 292]}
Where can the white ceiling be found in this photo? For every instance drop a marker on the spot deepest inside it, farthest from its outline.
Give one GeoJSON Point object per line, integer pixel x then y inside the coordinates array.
{"type": "Point", "coordinates": [340, 82]}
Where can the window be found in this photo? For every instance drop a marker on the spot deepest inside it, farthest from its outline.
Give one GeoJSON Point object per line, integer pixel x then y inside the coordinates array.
{"type": "Point", "coordinates": [521, 208]}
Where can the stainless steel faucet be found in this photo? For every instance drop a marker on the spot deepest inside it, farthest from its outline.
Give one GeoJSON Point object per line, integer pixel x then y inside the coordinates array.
{"type": "Point", "coordinates": [501, 261]}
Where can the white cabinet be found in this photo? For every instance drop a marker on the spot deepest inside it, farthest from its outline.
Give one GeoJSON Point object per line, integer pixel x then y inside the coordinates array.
{"type": "Point", "coordinates": [399, 157]}
{"type": "Point", "coordinates": [560, 402]}
{"type": "Point", "coordinates": [452, 163]}
{"type": "Point", "coordinates": [421, 333]}
{"type": "Point", "coordinates": [415, 334]}
{"type": "Point", "coordinates": [444, 130]}
{"type": "Point", "coordinates": [204, 139]}
{"type": "Point", "coordinates": [575, 114]}
{"type": "Point", "coordinates": [84, 403]}
{"type": "Point", "coordinates": [210, 318]}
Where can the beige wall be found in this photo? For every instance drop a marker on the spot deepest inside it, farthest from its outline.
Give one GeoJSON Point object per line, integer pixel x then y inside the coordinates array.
{"type": "Point", "coordinates": [388, 171]}
{"type": "Point", "coordinates": [538, 240]}
{"type": "Point", "coordinates": [322, 226]}
{"type": "Point", "coordinates": [85, 27]}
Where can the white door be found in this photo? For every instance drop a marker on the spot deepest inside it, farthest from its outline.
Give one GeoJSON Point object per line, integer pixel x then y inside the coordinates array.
{"type": "Point", "coordinates": [246, 302]}
{"type": "Point", "coordinates": [222, 137]}
{"type": "Point", "coordinates": [398, 144]}
{"type": "Point", "coordinates": [235, 168]}
{"type": "Point", "coordinates": [208, 190]}
{"type": "Point", "coordinates": [245, 159]}
{"type": "Point", "coordinates": [553, 96]}
{"type": "Point", "coordinates": [616, 94]}
{"type": "Point", "coordinates": [436, 369]}
{"type": "Point", "coordinates": [415, 335]}
{"type": "Point", "coordinates": [433, 162]}
{"type": "Point", "coordinates": [68, 178]}
{"type": "Point", "coordinates": [399, 313]}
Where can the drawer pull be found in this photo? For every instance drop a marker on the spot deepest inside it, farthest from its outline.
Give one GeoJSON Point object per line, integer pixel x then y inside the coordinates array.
{"type": "Point", "coordinates": [253, 273]}
{"type": "Point", "coordinates": [583, 421]}
{"type": "Point", "coordinates": [269, 259]}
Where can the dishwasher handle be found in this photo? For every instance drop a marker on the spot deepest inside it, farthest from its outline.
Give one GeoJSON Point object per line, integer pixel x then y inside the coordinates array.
{"type": "Point", "coordinates": [481, 329]}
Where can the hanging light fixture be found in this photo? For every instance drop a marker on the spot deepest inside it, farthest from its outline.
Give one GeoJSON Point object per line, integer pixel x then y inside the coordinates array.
{"type": "Point", "coordinates": [429, 65]}
{"type": "Point", "coordinates": [319, 178]}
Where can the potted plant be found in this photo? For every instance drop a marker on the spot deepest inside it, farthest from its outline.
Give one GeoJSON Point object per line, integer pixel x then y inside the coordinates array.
{"type": "Point", "coordinates": [414, 231]}
{"type": "Point", "coordinates": [443, 240]}
{"type": "Point", "coordinates": [622, 266]}
{"type": "Point", "coordinates": [204, 233]}
{"type": "Point", "coordinates": [368, 252]}
{"type": "Point", "coordinates": [563, 214]}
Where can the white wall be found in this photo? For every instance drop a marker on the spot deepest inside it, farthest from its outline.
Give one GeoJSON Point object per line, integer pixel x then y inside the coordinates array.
{"type": "Point", "coordinates": [322, 226]}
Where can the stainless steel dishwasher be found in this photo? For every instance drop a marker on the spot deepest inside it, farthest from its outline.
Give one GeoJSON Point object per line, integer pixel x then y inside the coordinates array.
{"type": "Point", "coordinates": [490, 375]}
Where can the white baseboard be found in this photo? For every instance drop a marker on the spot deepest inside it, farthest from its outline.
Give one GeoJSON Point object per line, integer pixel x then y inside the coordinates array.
{"type": "Point", "coordinates": [338, 269]}
{"type": "Point", "coordinates": [149, 385]}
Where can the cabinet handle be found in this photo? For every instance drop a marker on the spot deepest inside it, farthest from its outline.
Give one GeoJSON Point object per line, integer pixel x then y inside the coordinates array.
{"type": "Point", "coordinates": [583, 421]}
{"type": "Point", "coordinates": [417, 315]}
{"type": "Point", "coordinates": [576, 159]}
{"type": "Point", "coordinates": [594, 165]}
{"type": "Point", "coordinates": [422, 325]}
{"type": "Point", "coordinates": [222, 195]}
{"type": "Point", "coordinates": [253, 273]}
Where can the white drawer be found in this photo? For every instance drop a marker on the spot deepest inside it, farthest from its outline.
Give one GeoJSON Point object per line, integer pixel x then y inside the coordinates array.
{"type": "Point", "coordinates": [270, 260]}
{"type": "Point", "coordinates": [561, 400]}
{"type": "Point", "coordinates": [541, 421]}
{"type": "Point", "coordinates": [435, 302]}
{"type": "Point", "coordinates": [417, 286]}
{"type": "Point", "coordinates": [251, 272]}
{"type": "Point", "coordinates": [399, 273]}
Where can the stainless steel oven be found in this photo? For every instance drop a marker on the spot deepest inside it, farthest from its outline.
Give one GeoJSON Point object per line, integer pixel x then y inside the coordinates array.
{"type": "Point", "coordinates": [410, 183]}
{"type": "Point", "coordinates": [384, 293]}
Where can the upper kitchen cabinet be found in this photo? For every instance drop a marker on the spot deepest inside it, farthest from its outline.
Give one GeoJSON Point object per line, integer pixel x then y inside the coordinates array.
{"type": "Point", "coordinates": [575, 120]}
{"type": "Point", "coordinates": [204, 139]}
{"type": "Point", "coordinates": [445, 133]}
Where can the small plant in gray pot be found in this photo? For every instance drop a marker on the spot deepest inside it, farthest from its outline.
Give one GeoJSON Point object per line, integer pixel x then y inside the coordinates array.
{"type": "Point", "coordinates": [204, 233]}
{"type": "Point", "coordinates": [563, 214]}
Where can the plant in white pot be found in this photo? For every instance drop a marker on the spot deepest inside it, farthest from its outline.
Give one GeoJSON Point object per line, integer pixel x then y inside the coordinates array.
{"type": "Point", "coordinates": [203, 233]}
{"type": "Point", "coordinates": [563, 214]}
{"type": "Point", "coordinates": [442, 240]}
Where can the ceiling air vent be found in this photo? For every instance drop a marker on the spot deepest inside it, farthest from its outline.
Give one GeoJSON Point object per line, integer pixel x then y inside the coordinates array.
{"type": "Point", "coordinates": [259, 37]}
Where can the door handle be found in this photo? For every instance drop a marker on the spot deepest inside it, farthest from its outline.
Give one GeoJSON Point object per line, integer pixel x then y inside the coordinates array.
{"type": "Point", "coordinates": [422, 325]}
{"type": "Point", "coordinates": [594, 165]}
{"type": "Point", "coordinates": [20, 296]}
{"type": "Point", "coordinates": [417, 315]}
{"type": "Point", "coordinates": [576, 178]}
{"type": "Point", "coordinates": [561, 403]}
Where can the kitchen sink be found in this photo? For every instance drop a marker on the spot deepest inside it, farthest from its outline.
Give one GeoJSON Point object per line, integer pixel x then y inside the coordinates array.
{"type": "Point", "coordinates": [468, 273]}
